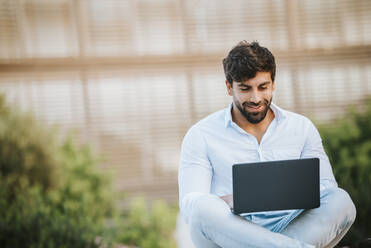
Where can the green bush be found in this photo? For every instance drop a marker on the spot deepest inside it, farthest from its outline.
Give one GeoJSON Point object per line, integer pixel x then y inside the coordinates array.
{"type": "Point", "coordinates": [148, 228]}
{"type": "Point", "coordinates": [348, 145]}
{"type": "Point", "coordinates": [32, 220]}
{"type": "Point", "coordinates": [53, 195]}
{"type": "Point", "coordinates": [27, 152]}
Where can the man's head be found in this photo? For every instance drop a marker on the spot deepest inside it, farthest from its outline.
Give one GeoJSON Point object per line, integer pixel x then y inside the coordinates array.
{"type": "Point", "coordinates": [250, 71]}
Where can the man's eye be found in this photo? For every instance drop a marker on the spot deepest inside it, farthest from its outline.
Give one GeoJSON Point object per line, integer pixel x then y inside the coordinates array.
{"type": "Point", "coordinates": [263, 88]}
{"type": "Point", "coordinates": [244, 89]}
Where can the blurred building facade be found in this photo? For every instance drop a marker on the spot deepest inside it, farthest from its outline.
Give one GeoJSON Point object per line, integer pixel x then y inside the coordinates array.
{"type": "Point", "coordinates": [133, 75]}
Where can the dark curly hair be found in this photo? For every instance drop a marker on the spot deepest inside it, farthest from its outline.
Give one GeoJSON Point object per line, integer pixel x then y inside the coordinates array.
{"type": "Point", "coordinates": [245, 60]}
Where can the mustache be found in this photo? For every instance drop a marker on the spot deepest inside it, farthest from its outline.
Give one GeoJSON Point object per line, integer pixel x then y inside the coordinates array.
{"type": "Point", "coordinates": [253, 104]}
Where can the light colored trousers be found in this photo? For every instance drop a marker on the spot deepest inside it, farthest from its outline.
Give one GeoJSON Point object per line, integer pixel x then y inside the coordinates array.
{"type": "Point", "coordinates": [212, 225]}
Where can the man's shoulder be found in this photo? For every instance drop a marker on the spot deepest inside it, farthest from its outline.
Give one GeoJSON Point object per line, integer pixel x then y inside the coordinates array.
{"type": "Point", "coordinates": [213, 121]}
{"type": "Point", "coordinates": [292, 116]}
{"type": "Point", "coordinates": [296, 120]}
{"type": "Point", "coordinates": [215, 118]}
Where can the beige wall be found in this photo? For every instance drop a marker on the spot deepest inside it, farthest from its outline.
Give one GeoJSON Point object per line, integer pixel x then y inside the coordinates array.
{"type": "Point", "coordinates": [133, 75]}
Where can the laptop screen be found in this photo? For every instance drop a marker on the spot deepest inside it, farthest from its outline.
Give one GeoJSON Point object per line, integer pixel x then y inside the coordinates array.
{"type": "Point", "coordinates": [276, 185]}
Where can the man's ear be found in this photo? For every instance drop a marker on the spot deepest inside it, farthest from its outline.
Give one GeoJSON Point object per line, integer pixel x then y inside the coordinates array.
{"type": "Point", "coordinates": [229, 88]}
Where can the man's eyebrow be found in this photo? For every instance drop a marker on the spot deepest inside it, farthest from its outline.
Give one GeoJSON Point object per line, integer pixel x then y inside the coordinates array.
{"type": "Point", "coordinates": [245, 85]}
{"type": "Point", "coordinates": [266, 82]}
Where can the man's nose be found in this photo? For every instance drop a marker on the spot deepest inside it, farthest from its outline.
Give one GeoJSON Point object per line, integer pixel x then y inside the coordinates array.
{"type": "Point", "coordinates": [255, 97]}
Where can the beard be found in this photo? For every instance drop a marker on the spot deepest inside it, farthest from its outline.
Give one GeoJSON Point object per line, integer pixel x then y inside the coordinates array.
{"type": "Point", "coordinates": [250, 116]}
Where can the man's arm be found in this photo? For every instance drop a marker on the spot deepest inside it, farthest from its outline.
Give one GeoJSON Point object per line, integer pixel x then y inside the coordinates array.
{"type": "Point", "coordinates": [195, 172]}
{"type": "Point", "coordinates": [313, 148]}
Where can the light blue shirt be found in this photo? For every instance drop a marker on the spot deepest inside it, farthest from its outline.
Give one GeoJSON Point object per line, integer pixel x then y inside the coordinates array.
{"type": "Point", "coordinates": [215, 143]}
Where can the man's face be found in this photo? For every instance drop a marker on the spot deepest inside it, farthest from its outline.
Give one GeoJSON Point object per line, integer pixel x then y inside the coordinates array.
{"type": "Point", "coordinates": [253, 97]}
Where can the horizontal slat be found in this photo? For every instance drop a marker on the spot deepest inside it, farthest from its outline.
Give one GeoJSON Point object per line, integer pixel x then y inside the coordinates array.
{"type": "Point", "coordinates": [351, 53]}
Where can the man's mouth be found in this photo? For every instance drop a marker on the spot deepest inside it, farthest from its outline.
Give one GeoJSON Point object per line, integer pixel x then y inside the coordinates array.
{"type": "Point", "coordinates": [254, 108]}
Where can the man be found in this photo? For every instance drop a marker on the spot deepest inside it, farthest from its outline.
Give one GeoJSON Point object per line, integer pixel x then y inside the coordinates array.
{"type": "Point", "coordinates": [255, 129]}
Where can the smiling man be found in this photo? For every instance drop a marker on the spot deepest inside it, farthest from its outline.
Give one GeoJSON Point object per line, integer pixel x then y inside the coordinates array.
{"type": "Point", "coordinates": [254, 129]}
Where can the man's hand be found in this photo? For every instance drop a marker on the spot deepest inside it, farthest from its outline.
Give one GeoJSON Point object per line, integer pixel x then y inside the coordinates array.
{"type": "Point", "coordinates": [228, 199]}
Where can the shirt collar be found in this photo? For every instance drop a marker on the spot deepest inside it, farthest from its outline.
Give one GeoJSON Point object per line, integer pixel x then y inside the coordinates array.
{"type": "Point", "coordinates": [279, 114]}
{"type": "Point", "coordinates": [228, 115]}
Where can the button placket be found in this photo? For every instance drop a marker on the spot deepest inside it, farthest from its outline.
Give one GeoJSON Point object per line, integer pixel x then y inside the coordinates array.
{"type": "Point", "coordinates": [260, 154]}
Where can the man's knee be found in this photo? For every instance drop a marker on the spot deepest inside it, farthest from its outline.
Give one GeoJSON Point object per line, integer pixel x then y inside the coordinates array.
{"type": "Point", "coordinates": [204, 207]}
{"type": "Point", "coordinates": [342, 205]}
{"type": "Point", "coordinates": [207, 210]}
{"type": "Point", "coordinates": [202, 216]}
{"type": "Point", "coordinates": [198, 211]}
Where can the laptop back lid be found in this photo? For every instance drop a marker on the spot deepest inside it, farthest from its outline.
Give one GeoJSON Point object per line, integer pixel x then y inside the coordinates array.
{"type": "Point", "coordinates": [276, 185]}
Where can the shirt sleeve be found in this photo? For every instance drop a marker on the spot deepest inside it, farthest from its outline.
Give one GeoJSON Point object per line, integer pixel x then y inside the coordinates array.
{"type": "Point", "coordinates": [195, 172]}
{"type": "Point", "coordinates": [313, 148]}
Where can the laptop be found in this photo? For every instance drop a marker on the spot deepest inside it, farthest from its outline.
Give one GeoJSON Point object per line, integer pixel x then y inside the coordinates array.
{"type": "Point", "coordinates": [276, 185]}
